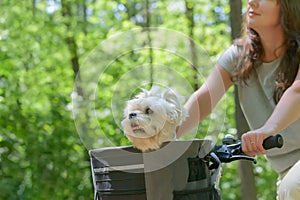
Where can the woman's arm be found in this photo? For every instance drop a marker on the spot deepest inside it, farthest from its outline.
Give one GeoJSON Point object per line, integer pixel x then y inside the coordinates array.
{"type": "Point", "coordinates": [202, 102]}
{"type": "Point", "coordinates": [285, 113]}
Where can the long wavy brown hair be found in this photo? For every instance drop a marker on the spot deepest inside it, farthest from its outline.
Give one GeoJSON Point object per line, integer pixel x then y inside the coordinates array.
{"type": "Point", "coordinates": [252, 50]}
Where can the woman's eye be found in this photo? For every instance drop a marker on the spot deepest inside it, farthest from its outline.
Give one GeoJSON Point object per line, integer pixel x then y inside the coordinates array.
{"type": "Point", "coordinates": [148, 111]}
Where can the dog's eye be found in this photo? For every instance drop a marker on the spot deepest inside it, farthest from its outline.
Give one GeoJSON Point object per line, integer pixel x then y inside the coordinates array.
{"type": "Point", "coordinates": [148, 111]}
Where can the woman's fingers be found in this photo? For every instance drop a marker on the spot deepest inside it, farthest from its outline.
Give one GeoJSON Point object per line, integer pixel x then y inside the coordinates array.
{"type": "Point", "coordinates": [252, 143]}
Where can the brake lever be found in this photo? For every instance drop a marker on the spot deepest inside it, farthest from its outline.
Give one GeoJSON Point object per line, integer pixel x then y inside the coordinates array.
{"type": "Point", "coordinates": [243, 157]}
{"type": "Point", "coordinates": [231, 152]}
{"type": "Point", "coordinates": [231, 149]}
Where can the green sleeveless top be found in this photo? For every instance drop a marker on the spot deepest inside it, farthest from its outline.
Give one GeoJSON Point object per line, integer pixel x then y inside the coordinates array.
{"type": "Point", "coordinates": [257, 104]}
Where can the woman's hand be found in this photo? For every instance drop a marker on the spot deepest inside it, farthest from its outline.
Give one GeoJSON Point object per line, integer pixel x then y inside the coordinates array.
{"type": "Point", "coordinates": [252, 141]}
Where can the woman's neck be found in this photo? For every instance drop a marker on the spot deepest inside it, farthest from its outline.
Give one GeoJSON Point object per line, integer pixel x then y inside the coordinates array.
{"type": "Point", "coordinates": [272, 43]}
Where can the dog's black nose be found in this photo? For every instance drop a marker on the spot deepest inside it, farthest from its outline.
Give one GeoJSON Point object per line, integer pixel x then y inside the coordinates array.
{"type": "Point", "coordinates": [132, 115]}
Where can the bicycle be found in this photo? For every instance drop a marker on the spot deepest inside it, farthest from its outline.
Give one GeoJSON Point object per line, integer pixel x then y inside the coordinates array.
{"type": "Point", "coordinates": [125, 173]}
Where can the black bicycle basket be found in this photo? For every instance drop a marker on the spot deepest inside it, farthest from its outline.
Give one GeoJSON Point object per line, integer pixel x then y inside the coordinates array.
{"type": "Point", "coordinates": [177, 171]}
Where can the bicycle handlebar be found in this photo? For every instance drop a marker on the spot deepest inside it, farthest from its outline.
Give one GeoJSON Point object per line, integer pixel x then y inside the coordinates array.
{"type": "Point", "coordinates": [272, 142]}
{"type": "Point", "coordinates": [231, 149]}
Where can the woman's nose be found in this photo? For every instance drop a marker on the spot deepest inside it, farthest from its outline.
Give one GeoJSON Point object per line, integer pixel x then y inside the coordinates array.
{"type": "Point", "coordinates": [252, 3]}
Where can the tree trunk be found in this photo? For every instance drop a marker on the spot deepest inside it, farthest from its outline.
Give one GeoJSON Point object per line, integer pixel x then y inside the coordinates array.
{"type": "Point", "coordinates": [148, 24]}
{"type": "Point", "coordinates": [70, 39]}
{"type": "Point", "coordinates": [246, 168]}
{"type": "Point", "coordinates": [189, 13]}
{"type": "Point", "coordinates": [248, 189]}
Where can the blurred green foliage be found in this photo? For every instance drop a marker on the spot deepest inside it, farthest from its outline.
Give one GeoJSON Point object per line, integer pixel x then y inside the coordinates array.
{"type": "Point", "coordinates": [42, 156]}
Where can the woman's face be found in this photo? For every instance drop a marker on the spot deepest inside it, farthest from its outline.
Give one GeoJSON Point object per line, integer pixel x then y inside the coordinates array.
{"type": "Point", "coordinates": [262, 14]}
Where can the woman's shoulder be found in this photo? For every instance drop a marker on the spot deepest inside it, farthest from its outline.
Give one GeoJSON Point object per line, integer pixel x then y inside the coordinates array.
{"type": "Point", "coordinates": [236, 47]}
{"type": "Point", "coordinates": [232, 52]}
{"type": "Point", "coordinates": [229, 58]}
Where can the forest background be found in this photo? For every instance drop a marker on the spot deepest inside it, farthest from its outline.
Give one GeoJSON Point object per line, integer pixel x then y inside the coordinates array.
{"type": "Point", "coordinates": [43, 46]}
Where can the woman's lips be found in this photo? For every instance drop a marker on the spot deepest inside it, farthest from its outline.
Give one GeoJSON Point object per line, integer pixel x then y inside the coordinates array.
{"type": "Point", "coordinates": [252, 14]}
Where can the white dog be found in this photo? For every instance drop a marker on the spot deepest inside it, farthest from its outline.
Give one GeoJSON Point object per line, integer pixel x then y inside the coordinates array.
{"type": "Point", "coordinates": [151, 118]}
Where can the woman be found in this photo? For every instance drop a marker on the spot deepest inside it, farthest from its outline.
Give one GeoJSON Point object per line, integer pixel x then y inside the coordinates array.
{"type": "Point", "coordinates": [264, 65]}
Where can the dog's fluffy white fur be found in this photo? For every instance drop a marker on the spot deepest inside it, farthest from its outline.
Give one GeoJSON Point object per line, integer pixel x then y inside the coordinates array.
{"type": "Point", "coordinates": [151, 118]}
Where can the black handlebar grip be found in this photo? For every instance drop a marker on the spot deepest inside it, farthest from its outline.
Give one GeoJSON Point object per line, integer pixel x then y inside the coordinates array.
{"type": "Point", "coordinates": [272, 142]}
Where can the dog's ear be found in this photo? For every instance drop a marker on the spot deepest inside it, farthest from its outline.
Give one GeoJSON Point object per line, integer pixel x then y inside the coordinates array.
{"type": "Point", "coordinates": [154, 91]}
{"type": "Point", "coordinates": [178, 113]}
{"type": "Point", "coordinates": [173, 116]}
{"type": "Point", "coordinates": [142, 94]}
{"type": "Point", "coordinates": [172, 99]}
